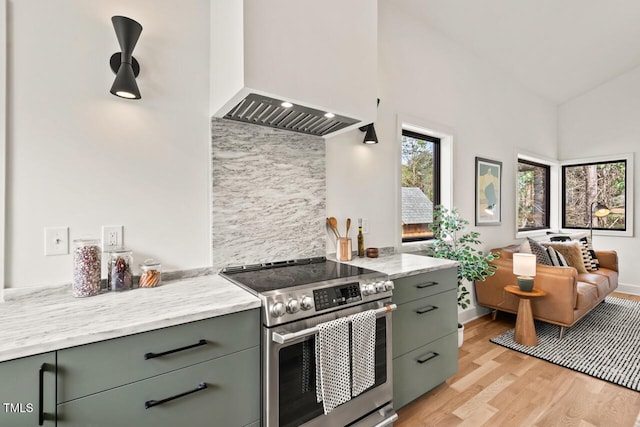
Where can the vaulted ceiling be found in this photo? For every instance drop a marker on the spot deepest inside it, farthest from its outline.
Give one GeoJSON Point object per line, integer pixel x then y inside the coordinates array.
{"type": "Point", "coordinates": [558, 49]}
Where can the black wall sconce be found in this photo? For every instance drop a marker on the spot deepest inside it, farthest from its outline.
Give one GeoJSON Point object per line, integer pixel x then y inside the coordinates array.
{"type": "Point", "coordinates": [123, 64]}
{"type": "Point", "coordinates": [370, 136]}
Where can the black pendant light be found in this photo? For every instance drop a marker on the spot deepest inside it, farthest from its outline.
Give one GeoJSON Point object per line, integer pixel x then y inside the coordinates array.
{"type": "Point", "coordinates": [123, 63]}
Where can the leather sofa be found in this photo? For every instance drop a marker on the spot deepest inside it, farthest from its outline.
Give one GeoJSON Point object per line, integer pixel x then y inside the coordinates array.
{"type": "Point", "coordinates": [570, 295]}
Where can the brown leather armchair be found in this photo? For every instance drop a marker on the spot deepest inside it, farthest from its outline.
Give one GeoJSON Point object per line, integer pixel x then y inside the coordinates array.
{"type": "Point", "coordinates": [570, 295]}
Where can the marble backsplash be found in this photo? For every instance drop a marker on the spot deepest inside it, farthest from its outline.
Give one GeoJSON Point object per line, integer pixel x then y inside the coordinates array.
{"type": "Point", "coordinates": [268, 194]}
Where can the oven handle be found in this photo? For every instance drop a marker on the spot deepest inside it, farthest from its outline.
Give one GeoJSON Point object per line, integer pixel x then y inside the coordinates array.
{"type": "Point", "coordinates": [285, 338]}
{"type": "Point", "coordinates": [389, 421]}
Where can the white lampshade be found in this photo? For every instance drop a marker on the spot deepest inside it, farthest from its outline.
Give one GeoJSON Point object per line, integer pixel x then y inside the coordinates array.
{"type": "Point", "coordinates": [524, 265]}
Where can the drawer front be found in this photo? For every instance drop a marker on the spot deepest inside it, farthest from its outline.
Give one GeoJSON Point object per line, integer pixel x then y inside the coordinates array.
{"type": "Point", "coordinates": [91, 368]}
{"type": "Point", "coordinates": [419, 371]}
{"type": "Point", "coordinates": [419, 322]}
{"type": "Point", "coordinates": [232, 397]}
{"type": "Point", "coordinates": [424, 285]}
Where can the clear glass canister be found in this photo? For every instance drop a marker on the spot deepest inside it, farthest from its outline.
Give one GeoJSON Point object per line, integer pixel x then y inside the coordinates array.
{"type": "Point", "coordinates": [150, 274]}
{"type": "Point", "coordinates": [87, 257]}
{"type": "Point", "coordinates": [119, 277]}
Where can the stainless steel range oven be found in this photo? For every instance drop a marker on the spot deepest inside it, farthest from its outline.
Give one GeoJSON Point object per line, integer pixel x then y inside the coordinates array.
{"type": "Point", "coordinates": [298, 296]}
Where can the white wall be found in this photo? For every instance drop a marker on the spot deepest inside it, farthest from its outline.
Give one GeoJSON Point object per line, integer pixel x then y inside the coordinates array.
{"type": "Point", "coordinates": [427, 76]}
{"type": "Point", "coordinates": [603, 122]}
{"type": "Point", "coordinates": [78, 156]}
{"type": "Point", "coordinates": [3, 116]}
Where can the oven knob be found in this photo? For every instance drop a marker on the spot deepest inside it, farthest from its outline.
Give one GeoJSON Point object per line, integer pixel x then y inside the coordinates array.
{"type": "Point", "coordinates": [278, 309]}
{"type": "Point", "coordinates": [368, 289]}
{"type": "Point", "coordinates": [306, 303]}
{"type": "Point", "coordinates": [389, 285]}
{"type": "Point", "coordinates": [293, 306]}
{"type": "Point", "coordinates": [380, 287]}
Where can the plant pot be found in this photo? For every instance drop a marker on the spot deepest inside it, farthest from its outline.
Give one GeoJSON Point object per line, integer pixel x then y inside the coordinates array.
{"type": "Point", "coordinates": [460, 334]}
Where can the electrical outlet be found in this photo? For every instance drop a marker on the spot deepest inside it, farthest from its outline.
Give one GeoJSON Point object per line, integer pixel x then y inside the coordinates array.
{"type": "Point", "coordinates": [112, 236]}
{"type": "Point", "coordinates": [56, 241]}
{"type": "Point", "coordinates": [365, 225]}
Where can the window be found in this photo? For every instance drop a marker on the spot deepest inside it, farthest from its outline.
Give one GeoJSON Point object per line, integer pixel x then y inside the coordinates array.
{"type": "Point", "coordinates": [587, 184]}
{"type": "Point", "coordinates": [420, 184]}
{"type": "Point", "coordinates": [533, 195]}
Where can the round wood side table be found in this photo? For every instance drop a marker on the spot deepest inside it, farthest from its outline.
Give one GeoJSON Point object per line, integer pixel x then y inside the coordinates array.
{"type": "Point", "coordinates": [525, 329]}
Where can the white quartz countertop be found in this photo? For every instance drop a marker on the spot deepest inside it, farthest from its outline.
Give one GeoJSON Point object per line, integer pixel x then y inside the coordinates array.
{"type": "Point", "coordinates": [39, 320]}
{"type": "Point", "coordinates": [402, 265]}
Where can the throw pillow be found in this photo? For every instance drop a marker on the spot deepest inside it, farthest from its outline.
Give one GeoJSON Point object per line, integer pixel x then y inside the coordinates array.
{"type": "Point", "coordinates": [593, 259]}
{"type": "Point", "coordinates": [542, 257]}
{"type": "Point", "coordinates": [524, 247]}
{"type": "Point", "coordinates": [557, 259]}
{"type": "Point", "coordinates": [557, 237]}
{"type": "Point", "coordinates": [572, 252]}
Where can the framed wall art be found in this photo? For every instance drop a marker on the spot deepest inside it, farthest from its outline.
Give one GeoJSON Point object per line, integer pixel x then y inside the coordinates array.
{"type": "Point", "coordinates": [488, 191]}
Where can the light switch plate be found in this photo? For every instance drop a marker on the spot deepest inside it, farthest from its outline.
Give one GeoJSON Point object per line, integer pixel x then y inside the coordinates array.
{"type": "Point", "coordinates": [365, 225]}
{"type": "Point", "coordinates": [56, 241]}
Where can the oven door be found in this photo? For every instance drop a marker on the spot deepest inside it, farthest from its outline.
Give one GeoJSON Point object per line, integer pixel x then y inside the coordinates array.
{"type": "Point", "coordinates": [289, 369]}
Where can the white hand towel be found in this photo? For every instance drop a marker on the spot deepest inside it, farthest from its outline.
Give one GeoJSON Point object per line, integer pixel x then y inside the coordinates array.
{"type": "Point", "coordinates": [333, 379]}
{"type": "Point", "coordinates": [363, 351]}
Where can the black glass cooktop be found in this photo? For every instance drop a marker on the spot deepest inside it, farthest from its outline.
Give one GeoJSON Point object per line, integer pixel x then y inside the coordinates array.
{"type": "Point", "coordinates": [279, 275]}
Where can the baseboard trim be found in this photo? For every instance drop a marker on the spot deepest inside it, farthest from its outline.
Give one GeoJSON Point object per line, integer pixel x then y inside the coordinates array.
{"type": "Point", "coordinates": [628, 288]}
{"type": "Point", "coordinates": [472, 313]}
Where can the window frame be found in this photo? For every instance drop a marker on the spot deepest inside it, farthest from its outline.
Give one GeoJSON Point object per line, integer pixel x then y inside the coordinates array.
{"type": "Point", "coordinates": [627, 159]}
{"type": "Point", "coordinates": [436, 175]}
{"type": "Point", "coordinates": [547, 214]}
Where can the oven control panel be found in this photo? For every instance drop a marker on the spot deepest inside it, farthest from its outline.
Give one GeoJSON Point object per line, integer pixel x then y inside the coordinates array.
{"type": "Point", "coordinates": [335, 296]}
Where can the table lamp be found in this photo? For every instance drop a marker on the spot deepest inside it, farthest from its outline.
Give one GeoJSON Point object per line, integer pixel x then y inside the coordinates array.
{"type": "Point", "coordinates": [524, 266]}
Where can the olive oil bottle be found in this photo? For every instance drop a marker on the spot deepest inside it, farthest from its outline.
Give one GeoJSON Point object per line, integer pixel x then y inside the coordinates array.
{"type": "Point", "coordinates": [360, 239]}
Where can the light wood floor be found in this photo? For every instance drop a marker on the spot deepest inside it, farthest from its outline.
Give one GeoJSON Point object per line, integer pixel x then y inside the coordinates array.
{"type": "Point", "coordinates": [496, 386]}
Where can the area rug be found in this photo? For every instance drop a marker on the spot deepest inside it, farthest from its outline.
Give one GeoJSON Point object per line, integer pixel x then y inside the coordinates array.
{"type": "Point", "coordinates": [604, 344]}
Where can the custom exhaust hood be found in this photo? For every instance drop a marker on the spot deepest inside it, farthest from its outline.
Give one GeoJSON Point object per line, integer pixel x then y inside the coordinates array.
{"type": "Point", "coordinates": [265, 111]}
{"type": "Point", "coordinates": [293, 65]}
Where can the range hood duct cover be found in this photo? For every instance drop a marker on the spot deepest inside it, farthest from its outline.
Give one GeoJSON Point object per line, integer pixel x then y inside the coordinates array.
{"type": "Point", "coordinates": [265, 111]}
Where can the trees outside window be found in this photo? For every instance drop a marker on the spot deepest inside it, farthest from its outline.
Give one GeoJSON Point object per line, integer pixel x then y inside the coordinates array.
{"type": "Point", "coordinates": [420, 184]}
{"type": "Point", "coordinates": [533, 195]}
{"type": "Point", "coordinates": [588, 183]}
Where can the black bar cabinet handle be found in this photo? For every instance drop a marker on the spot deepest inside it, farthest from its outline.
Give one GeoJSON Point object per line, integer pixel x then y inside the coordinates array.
{"type": "Point", "coordinates": [164, 353]}
{"type": "Point", "coordinates": [151, 403]}
{"type": "Point", "coordinates": [426, 285]}
{"type": "Point", "coordinates": [41, 395]}
{"type": "Point", "coordinates": [427, 309]}
{"type": "Point", "coordinates": [427, 357]}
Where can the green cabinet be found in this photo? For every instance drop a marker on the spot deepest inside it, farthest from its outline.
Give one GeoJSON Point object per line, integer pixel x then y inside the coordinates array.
{"type": "Point", "coordinates": [107, 364]}
{"type": "Point", "coordinates": [199, 374]}
{"type": "Point", "coordinates": [220, 392]}
{"type": "Point", "coordinates": [27, 391]}
{"type": "Point", "coordinates": [425, 349]}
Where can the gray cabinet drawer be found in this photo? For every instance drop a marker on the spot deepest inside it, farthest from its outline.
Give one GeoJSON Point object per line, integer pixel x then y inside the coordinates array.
{"type": "Point", "coordinates": [424, 285]}
{"type": "Point", "coordinates": [91, 368]}
{"type": "Point", "coordinates": [419, 322]}
{"type": "Point", "coordinates": [232, 397]}
{"type": "Point", "coordinates": [419, 371]}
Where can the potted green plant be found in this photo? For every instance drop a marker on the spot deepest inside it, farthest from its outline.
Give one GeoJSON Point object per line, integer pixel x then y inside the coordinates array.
{"type": "Point", "coordinates": [453, 240]}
